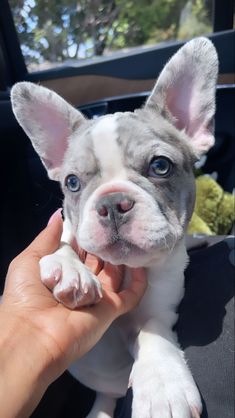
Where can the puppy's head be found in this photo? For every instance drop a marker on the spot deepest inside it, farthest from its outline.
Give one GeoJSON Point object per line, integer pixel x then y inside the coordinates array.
{"type": "Point", "coordinates": [127, 178]}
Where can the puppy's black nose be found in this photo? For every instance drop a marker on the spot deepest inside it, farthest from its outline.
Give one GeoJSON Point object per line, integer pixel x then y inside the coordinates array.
{"type": "Point", "coordinates": [114, 208]}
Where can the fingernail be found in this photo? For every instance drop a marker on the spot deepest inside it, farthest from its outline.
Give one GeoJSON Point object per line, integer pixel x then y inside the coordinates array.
{"type": "Point", "coordinates": [56, 214]}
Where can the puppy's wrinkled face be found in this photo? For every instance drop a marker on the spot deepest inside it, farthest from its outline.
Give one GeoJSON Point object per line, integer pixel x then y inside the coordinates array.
{"type": "Point", "coordinates": [127, 177]}
{"type": "Point", "coordinates": [129, 188]}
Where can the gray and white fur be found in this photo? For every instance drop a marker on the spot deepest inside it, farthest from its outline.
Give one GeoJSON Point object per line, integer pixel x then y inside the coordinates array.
{"type": "Point", "coordinates": [125, 213]}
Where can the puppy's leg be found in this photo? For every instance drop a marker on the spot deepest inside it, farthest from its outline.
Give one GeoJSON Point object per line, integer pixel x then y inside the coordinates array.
{"type": "Point", "coordinates": [162, 384]}
{"type": "Point", "coordinates": [71, 282]}
{"type": "Point", "coordinates": [103, 407]}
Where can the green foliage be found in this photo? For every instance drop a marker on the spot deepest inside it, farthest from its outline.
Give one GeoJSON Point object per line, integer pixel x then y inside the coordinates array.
{"type": "Point", "coordinates": [214, 212]}
{"type": "Point", "coordinates": [196, 20]}
{"type": "Point", "coordinates": [54, 31]}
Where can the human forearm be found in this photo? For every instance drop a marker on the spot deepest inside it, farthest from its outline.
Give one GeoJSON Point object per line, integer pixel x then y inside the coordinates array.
{"type": "Point", "coordinates": [24, 365]}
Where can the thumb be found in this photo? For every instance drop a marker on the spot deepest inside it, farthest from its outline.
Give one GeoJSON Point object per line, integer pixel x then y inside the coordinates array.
{"type": "Point", "coordinates": [49, 239]}
{"type": "Point", "coordinates": [24, 264]}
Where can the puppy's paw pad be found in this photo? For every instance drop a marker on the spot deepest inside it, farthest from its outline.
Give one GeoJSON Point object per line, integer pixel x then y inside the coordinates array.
{"type": "Point", "coordinates": [50, 270]}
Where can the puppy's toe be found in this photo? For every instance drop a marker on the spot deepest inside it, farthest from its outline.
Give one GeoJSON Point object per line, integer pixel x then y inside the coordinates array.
{"type": "Point", "coordinates": [195, 412]}
{"type": "Point", "coordinates": [90, 290]}
{"type": "Point", "coordinates": [67, 296]}
{"type": "Point", "coordinates": [50, 270]}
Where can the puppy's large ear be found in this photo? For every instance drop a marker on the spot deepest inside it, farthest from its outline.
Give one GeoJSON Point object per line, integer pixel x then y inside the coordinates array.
{"type": "Point", "coordinates": [48, 120]}
{"type": "Point", "coordinates": [186, 88]}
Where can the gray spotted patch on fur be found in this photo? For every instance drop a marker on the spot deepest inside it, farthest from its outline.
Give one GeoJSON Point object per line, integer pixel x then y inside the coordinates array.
{"type": "Point", "coordinates": [150, 135]}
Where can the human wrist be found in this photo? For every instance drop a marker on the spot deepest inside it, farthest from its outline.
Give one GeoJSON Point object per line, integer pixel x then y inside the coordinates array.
{"type": "Point", "coordinates": [24, 367]}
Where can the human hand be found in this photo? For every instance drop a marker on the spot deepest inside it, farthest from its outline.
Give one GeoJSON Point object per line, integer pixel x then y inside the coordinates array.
{"type": "Point", "coordinates": [61, 334]}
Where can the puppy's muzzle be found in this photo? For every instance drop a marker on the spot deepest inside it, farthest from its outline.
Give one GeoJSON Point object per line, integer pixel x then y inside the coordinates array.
{"type": "Point", "coordinates": [114, 209]}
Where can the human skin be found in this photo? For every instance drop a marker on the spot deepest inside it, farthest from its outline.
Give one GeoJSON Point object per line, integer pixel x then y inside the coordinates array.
{"type": "Point", "coordinates": [39, 336]}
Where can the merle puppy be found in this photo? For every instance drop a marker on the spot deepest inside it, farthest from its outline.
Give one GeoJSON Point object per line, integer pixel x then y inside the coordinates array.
{"type": "Point", "coordinates": [129, 194]}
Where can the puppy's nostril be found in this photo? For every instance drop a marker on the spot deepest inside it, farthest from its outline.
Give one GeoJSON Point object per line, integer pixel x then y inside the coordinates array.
{"type": "Point", "coordinates": [125, 205]}
{"type": "Point", "coordinates": [103, 211]}
{"type": "Point", "coordinates": [114, 205]}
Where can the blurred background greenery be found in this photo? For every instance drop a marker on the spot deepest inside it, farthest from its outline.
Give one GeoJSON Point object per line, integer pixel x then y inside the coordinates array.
{"type": "Point", "coordinates": [53, 32]}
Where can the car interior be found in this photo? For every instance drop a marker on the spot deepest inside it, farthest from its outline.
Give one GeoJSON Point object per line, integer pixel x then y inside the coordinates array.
{"type": "Point", "coordinates": [120, 83]}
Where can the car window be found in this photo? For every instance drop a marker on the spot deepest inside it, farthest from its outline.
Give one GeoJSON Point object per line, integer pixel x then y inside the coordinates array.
{"type": "Point", "coordinates": [57, 32]}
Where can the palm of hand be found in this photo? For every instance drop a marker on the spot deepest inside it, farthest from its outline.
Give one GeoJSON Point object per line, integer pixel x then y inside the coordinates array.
{"type": "Point", "coordinates": [64, 334]}
{"type": "Point", "coordinates": [60, 328]}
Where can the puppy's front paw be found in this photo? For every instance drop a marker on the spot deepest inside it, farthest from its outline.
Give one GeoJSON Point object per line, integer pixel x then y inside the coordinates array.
{"type": "Point", "coordinates": [72, 283]}
{"type": "Point", "coordinates": [166, 391]}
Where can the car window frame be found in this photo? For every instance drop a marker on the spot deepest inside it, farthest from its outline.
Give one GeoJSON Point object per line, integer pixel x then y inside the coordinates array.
{"type": "Point", "coordinates": [13, 67]}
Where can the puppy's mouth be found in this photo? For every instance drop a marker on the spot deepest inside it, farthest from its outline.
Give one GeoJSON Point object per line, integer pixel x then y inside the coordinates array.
{"type": "Point", "coordinates": [130, 245]}
{"type": "Point", "coordinates": [122, 246]}
{"type": "Point", "coordinates": [125, 228]}
{"type": "Point", "coordinates": [120, 251]}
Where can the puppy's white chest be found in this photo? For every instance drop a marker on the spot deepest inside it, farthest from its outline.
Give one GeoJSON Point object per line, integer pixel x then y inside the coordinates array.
{"type": "Point", "coordinates": [164, 293]}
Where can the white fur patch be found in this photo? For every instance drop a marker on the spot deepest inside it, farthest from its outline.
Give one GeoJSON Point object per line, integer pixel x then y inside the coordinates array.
{"type": "Point", "coordinates": [67, 235]}
{"type": "Point", "coordinates": [107, 151]}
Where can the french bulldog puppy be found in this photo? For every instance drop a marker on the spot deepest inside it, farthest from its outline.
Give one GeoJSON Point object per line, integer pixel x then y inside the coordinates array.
{"type": "Point", "coordinates": [129, 194]}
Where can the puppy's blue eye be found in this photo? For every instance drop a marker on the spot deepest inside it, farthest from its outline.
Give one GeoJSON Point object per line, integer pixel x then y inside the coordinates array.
{"type": "Point", "coordinates": [160, 167]}
{"type": "Point", "coordinates": [72, 183]}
